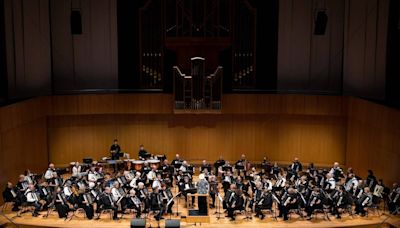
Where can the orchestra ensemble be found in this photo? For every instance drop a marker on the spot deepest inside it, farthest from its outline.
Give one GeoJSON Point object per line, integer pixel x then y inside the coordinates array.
{"type": "Point", "coordinates": [152, 184]}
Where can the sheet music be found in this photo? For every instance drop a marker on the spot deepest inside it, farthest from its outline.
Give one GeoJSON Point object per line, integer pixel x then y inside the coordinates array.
{"type": "Point", "coordinates": [220, 198]}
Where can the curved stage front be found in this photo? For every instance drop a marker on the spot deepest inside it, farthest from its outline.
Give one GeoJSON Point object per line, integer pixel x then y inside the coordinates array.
{"type": "Point", "coordinates": [373, 220]}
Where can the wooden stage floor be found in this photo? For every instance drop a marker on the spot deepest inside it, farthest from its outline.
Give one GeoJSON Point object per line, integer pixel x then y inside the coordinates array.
{"type": "Point", "coordinates": [26, 220]}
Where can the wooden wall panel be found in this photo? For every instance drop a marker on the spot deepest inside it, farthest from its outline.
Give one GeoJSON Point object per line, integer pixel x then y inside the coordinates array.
{"type": "Point", "coordinates": [373, 139]}
{"type": "Point", "coordinates": [23, 138]}
{"type": "Point", "coordinates": [198, 137]}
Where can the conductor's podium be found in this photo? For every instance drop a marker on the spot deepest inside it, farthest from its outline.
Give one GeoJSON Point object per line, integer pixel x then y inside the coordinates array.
{"type": "Point", "coordinates": [195, 215]}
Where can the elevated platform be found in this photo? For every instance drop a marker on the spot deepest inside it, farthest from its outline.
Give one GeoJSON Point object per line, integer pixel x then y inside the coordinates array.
{"type": "Point", "coordinates": [53, 221]}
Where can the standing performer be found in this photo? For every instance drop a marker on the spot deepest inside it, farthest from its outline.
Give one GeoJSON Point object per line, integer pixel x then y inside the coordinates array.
{"type": "Point", "coordinates": [115, 150]}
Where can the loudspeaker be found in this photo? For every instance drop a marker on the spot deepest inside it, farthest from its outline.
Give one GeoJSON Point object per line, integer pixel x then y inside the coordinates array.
{"type": "Point", "coordinates": [320, 23]}
{"type": "Point", "coordinates": [76, 22]}
{"type": "Point", "coordinates": [138, 223]}
{"type": "Point", "coordinates": [172, 223]}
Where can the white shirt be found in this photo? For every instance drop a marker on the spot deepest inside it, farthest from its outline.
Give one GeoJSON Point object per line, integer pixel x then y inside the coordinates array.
{"type": "Point", "coordinates": [76, 171]}
{"type": "Point", "coordinates": [48, 174]}
{"type": "Point", "coordinates": [92, 177]}
{"type": "Point", "coordinates": [31, 196]}
{"type": "Point", "coordinates": [67, 191]}
{"type": "Point", "coordinates": [156, 184]}
{"type": "Point", "coordinates": [133, 183]}
{"type": "Point", "coordinates": [332, 183]}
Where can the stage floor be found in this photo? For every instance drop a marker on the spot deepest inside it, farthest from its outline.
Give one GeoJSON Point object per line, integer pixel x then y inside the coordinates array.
{"type": "Point", "coordinates": [26, 220]}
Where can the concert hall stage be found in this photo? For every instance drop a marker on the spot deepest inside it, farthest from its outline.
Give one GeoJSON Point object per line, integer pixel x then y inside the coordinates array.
{"type": "Point", "coordinates": [78, 221]}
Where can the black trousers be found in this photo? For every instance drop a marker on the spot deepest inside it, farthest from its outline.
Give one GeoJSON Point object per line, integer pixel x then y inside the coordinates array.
{"type": "Point", "coordinates": [283, 210]}
{"type": "Point", "coordinates": [310, 209]}
{"type": "Point", "coordinates": [213, 199]}
{"type": "Point", "coordinates": [62, 210]}
{"type": "Point", "coordinates": [202, 201]}
{"type": "Point", "coordinates": [115, 209]}
{"type": "Point", "coordinates": [37, 207]}
{"type": "Point", "coordinates": [88, 210]}
{"type": "Point", "coordinates": [360, 209]}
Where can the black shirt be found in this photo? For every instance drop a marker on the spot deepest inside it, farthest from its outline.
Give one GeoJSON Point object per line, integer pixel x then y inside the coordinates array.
{"type": "Point", "coordinates": [115, 148]}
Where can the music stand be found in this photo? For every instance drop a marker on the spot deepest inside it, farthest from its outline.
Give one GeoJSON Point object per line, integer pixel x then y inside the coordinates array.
{"type": "Point", "coordinates": [218, 211]}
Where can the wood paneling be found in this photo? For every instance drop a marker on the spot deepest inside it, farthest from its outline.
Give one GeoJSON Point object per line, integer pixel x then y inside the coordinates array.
{"type": "Point", "coordinates": [196, 137]}
{"type": "Point", "coordinates": [280, 126]}
{"type": "Point", "coordinates": [23, 138]}
{"type": "Point", "coordinates": [320, 129]}
{"type": "Point", "coordinates": [373, 139]}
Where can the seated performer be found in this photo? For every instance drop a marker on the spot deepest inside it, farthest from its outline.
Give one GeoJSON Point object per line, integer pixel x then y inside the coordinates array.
{"type": "Point", "coordinates": [218, 163]}
{"type": "Point", "coordinates": [296, 165]}
{"type": "Point", "coordinates": [336, 171]}
{"type": "Point", "coordinates": [32, 197]}
{"type": "Point", "coordinates": [231, 201]}
{"type": "Point", "coordinates": [49, 172]}
{"type": "Point", "coordinates": [204, 166]}
{"type": "Point", "coordinates": [144, 196]}
{"type": "Point", "coordinates": [394, 199]}
{"type": "Point", "coordinates": [177, 162]}
{"type": "Point", "coordinates": [167, 196]}
{"type": "Point", "coordinates": [314, 202]}
{"type": "Point", "coordinates": [289, 201]}
{"type": "Point", "coordinates": [61, 203]}
{"type": "Point", "coordinates": [143, 154]}
{"type": "Point", "coordinates": [106, 202]}
{"type": "Point", "coordinates": [10, 195]}
{"type": "Point", "coordinates": [371, 181]}
{"type": "Point", "coordinates": [364, 201]}
{"type": "Point", "coordinates": [85, 201]}
{"type": "Point", "coordinates": [241, 165]}
{"type": "Point", "coordinates": [213, 189]}
{"type": "Point", "coordinates": [76, 170]}
{"type": "Point", "coordinates": [185, 187]}
{"type": "Point", "coordinates": [157, 203]}
{"type": "Point", "coordinates": [133, 202]}
{"type": "Point", "coordinates": [257, 196]}
{"type": "Point", "coordinates": [341, 201]}
{"type": "Point", "coordinates": [266, 165]}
